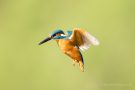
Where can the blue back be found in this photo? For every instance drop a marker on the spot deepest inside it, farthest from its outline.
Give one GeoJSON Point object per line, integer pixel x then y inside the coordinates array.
{"type": "Point", "coordinates": [69, 33]}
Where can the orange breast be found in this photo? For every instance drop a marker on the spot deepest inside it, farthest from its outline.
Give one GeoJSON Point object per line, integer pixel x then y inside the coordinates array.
{"type": "Point", "coordinates": [70, 49]}
{"type": "Point", "coordinates": [65, 45]}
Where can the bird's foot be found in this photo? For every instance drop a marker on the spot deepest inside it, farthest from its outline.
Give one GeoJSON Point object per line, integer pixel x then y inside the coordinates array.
{"type": "Point", "coordinates": [74, 61]}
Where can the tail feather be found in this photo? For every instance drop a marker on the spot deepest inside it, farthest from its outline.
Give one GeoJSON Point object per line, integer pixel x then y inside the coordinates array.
{"type": "Point", "coordinates": [81, 65]}
{"type": "Point", "coordinates": [81, 57]}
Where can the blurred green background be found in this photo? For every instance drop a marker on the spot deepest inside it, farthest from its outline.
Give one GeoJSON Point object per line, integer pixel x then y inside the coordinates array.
{"type": "Point", "coordinates": [26, 66]}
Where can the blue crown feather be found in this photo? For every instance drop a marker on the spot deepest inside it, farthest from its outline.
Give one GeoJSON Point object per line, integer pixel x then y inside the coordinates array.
{"type": "Point", "coordinates": [57, 32]}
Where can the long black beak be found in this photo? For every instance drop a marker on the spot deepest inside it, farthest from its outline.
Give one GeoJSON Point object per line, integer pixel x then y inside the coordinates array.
{"type": "Point", "coordinates": [45, 40]}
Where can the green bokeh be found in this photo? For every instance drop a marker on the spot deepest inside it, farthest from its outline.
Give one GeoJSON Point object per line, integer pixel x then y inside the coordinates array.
{"type": "Point", "coordinates": [26, 66]}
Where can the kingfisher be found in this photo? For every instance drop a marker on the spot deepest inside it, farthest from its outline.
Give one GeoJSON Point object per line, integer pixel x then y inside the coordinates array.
{"type": "Point", "coordinates": [72, 43]}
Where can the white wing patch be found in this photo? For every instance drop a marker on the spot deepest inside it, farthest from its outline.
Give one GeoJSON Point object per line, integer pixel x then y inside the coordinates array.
{"type": "Point", "coordinates": [88, 40]}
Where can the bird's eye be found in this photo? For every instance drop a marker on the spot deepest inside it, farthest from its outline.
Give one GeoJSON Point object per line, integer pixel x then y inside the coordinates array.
{"type": "Point", "coordinates": [56, 35]}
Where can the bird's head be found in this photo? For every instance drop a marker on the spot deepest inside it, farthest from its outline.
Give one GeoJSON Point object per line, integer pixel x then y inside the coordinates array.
{"type": "Point", "coordinates": [57, 34]}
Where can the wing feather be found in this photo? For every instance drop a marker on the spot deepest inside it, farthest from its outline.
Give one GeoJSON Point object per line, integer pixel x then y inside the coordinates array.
{"type": "Point", "coordinates": [83, 39]}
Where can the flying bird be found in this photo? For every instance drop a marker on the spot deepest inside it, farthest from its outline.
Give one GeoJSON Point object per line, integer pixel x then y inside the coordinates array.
{"type": "Point", "coordinates": [72, 42]}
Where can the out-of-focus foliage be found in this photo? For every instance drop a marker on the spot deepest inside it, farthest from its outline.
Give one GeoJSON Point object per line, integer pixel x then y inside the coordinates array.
{"type": "Point", "coordinates": [26, 66]}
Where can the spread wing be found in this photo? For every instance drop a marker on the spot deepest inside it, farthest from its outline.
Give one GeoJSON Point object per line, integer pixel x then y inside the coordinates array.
{"type": "Point", "coordinates": [83, 39]}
